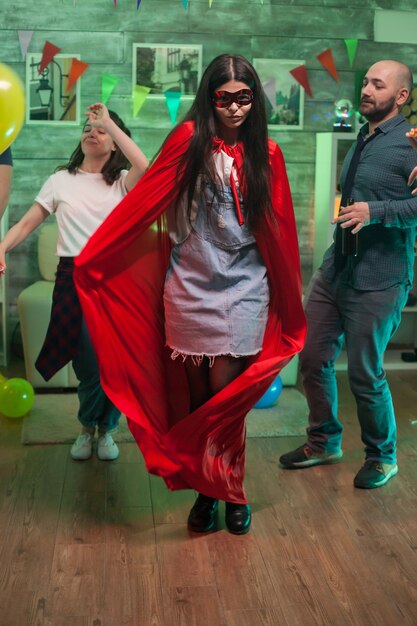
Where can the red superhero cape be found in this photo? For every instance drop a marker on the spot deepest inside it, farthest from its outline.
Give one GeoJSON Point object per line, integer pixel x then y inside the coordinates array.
{"type": "Point", "coordinates": [120, 277]}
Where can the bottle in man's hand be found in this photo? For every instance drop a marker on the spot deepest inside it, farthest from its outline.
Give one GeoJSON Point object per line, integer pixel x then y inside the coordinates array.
{"type": "Point", "coordinates": [349, 241]}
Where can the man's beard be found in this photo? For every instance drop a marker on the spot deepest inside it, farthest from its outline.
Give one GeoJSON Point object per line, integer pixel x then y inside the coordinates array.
{"type": "Point", "coordinates": [378, 113]}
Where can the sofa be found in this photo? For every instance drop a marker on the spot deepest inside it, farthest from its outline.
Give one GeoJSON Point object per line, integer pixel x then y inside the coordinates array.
{"type": "Point", "coordinates": [34, 308]}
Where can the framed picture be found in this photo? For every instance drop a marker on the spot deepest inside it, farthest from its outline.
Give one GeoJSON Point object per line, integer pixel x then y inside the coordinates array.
{"type": "Point", "coordinates": [284, 95]}
{"type": "Point", "coordinates": [167, 67]}
{"type": "Point", "coordinates": [47, 98]}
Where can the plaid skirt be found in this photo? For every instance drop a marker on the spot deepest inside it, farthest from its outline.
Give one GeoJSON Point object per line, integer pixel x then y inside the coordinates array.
{"type": "Point", "coordinates": [63, 334]}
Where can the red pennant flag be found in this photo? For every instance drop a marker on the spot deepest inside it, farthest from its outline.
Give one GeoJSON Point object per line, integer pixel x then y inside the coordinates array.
{"type": "Point", "coordinates": [300, 75]}
{"type": "Point", "coordinates": [326, 59]}
{"type": "Point", "coordinates": [77, 68]}
{"type": "Point", "coordinates": [49, 51]}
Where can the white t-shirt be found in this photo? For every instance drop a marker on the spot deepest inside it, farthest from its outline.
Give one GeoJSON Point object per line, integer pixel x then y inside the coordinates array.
{"type": "Point", "coordinates": [81, 202]}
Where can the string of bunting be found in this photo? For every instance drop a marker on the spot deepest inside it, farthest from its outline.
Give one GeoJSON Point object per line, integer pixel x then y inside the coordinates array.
{"type": "Point", "coordinates": [173, 98]}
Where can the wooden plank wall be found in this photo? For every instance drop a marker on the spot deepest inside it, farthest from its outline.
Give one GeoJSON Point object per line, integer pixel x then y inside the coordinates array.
{"type": "Point", "coordinates": [103, 36]}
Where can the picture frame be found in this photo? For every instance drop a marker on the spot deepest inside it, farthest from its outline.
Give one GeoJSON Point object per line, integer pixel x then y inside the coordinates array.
{"type": "Point", "coordinates": [47, 98]}
{"type": "Point", "coordinates": [167, 67]}
{"type": "Point", "coordinates": [284, 96]}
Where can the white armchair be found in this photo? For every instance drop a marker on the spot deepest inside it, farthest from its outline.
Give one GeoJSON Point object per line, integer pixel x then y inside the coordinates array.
{"type": "Point", "coordinates": [34, 307]}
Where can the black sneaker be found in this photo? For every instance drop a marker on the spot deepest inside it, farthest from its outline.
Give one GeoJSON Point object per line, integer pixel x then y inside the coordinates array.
{"type": "Point", "coordinates": [304, 456]}
{"type": "Point", "coordinates": [374, 474]}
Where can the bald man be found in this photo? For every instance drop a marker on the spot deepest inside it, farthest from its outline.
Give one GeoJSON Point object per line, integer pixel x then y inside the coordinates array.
{"type": "Point", "coordinates": [358, 299]}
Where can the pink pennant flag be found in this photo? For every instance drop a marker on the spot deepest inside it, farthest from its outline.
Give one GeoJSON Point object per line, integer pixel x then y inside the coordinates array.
{"type": "Point", "coordinates": [25, 37]}
{"type": "Point", "coordinates": [77, 68]}
{"type": "Point", "coordinates": [300, 75]}
{"type": "Point", "coordinates": [49, 51]}
{"type": "Point", "coordinates": [326, 59]}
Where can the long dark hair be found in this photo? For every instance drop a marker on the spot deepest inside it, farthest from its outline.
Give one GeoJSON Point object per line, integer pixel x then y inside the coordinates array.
{"type": "Point", "coordinates": [114, 164]}
{"type": "Point", "coordinates": [253, 134]}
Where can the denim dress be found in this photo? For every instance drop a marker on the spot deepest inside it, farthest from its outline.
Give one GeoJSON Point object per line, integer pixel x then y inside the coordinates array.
{"type": "Point", "coordinates": [216, 292]}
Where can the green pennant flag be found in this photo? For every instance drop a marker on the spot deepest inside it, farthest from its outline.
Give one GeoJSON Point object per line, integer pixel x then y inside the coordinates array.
{"type": "Point", "coordinates": [352, 46]}
{"type": "Point", "coordinates": [173, 103]}
{"type": "Point", "coordinates": [140, 93]}
{"type": "Point", "coordinates": [108, 83]}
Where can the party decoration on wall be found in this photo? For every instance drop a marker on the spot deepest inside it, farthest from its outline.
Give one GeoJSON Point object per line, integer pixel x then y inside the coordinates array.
{"type": "Point", "coordinates": [270, 90]}
{"type": "Point", "coordinates": [16, 397]}
{"type": "Point", "coordinates": [108, 83]}
{"type": "Point", "coordinates": [140, 93]}
{"type": "Point", "coordinates": [138, 5]}
{"type": "Point", "coordinates": [352, 46]}
{"type": "Point", "coordinates": [326, 59]}
{"type": "Point", "coordinates": [184, 4]}
{"type": "Point", "coordinates": [344, 113]}
{"type": "Point", "coordinates": [49, 51]}
{"type": "Point", "coordinates": [173, 103]}
{"type": "Point", "coordinates": [12, 106]}
{"type": "Point", "coordinates": [300, 75]}
{"type": "Point", "coordinates": [76, 70]}
{"type": "Point", "coordinates": [271, 395]}
{"type": "Point", "coordinates": [25, 37]}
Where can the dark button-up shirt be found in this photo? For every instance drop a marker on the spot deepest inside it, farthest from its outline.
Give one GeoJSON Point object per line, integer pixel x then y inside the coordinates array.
{"type": "Point", "coordinates": [386, 245]}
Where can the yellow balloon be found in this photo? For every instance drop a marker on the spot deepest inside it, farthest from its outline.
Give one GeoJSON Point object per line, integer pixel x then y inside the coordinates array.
{"type": "Point", "coordinates": [12, 106]}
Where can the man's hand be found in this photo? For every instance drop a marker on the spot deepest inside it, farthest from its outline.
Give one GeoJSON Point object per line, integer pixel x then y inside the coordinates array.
{"type": "Point", "coordinates": [356, 215]}
{"type": "Point", "coordinates": [411, 179]}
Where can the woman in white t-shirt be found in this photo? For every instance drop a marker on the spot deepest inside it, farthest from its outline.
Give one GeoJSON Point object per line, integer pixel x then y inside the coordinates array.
{"type": "Point", "coordinates": [81, 194]}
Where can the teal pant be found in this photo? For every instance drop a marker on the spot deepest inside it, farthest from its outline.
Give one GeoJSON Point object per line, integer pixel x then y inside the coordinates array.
{"type": "Point", "coordinates": [365, 320]}
{"type": "Point", "coordinates": [96, 410]}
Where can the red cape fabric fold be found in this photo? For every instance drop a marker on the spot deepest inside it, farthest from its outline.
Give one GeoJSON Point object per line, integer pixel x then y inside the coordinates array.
{"type": "Point", "coordinates": [120, 279]}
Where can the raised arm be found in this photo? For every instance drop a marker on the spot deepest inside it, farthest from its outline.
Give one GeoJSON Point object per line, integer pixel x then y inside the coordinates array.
{"type": "Point", "coordinates": [20, 231]}
{"type": "Point", "coordinates": [98, 116]}
{"type": "Point", "coordinates": [5, 183]}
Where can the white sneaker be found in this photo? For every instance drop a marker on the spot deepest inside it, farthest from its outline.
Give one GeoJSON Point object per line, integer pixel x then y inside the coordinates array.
{"type": "Point", "coordinates": [107, 449]}
{"type": "Point", "coordinates": [82, 447]}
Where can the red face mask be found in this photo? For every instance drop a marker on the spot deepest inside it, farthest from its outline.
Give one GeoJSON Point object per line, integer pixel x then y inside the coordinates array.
{"type": "Point", "coordinates": [223, 99]}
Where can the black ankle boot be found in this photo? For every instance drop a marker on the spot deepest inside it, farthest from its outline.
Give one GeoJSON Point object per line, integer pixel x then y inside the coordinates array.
{"type": "Point", "coordinates": [202, 517]}
{"type": "Point", "coordinates": [238, 518]}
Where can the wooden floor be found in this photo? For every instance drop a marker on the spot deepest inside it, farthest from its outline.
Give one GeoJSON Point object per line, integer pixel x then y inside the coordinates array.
{"type": "Point", "coordinates": [104, 544]}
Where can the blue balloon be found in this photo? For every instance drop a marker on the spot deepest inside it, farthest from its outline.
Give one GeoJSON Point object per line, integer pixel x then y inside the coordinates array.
{"type": "Point", "coordinates": [270, 396]}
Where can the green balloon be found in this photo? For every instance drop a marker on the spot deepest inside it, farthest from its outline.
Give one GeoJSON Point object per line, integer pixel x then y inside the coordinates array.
{"type": "Point", "coordinates": [16, 397]}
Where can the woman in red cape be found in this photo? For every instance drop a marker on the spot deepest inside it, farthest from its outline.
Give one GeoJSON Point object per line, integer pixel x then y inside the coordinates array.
{"type": "Point", "coordinates": [121, 273]}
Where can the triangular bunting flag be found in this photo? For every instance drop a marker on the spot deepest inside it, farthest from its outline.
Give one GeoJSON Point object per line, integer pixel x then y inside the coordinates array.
{"type": "Point", "coordinates": [173, 103]}
{"type": "Point", "coordinates": [137, 4]}
{"type": "Point", "coordinates": [270, 90]}
{"type": "Point", "coordinates": [108, 83]}
{"type": "Point", "coordinates": [184, 3]}
{"type": "Point", "coordinates": [210, 3]}
{"type": "Point", "coordinates": [352, 46]}
{"type": "Point", "coordinates": [49, 51]}
{"type": "Point", "coordinates": [77, 68]}
{"type": "Point", "coordinates": [326, 59]}
{"type": "Point", "coordinates": [25, 37]}
{"type": "Point", "coordinates": [300, 75]}
{"type": "Point", "coordinates": [140, 93]}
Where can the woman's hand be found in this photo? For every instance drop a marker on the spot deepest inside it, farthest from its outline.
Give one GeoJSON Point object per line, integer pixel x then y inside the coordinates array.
{"type": "Point", "coordinates": [98, 115]}
{"type": "Point", "coordinates": [2, 262]}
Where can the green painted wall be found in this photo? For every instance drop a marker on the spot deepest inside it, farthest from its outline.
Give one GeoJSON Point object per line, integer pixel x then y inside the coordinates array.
{"type": "Point", "coordinates": [103, 36]}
